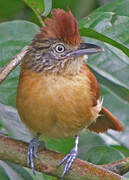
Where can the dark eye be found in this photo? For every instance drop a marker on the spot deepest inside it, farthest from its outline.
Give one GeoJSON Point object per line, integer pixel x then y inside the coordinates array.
{"type": "Point", "coordinates": [59, 48]}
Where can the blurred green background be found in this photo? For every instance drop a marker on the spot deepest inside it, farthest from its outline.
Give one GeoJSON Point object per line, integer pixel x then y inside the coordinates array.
{"type": "Point", "coordinates": [17, 9]}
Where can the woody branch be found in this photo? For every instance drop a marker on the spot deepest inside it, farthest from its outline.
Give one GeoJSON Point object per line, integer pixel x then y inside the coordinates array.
{"type": "Point", "coordinates": [15, 151]}
{"type": "Point", "coordinates": [4, 72]}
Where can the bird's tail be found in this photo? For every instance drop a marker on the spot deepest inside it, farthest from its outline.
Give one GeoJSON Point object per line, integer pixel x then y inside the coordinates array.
{"type": "Point", "coordinates": [106, 121]}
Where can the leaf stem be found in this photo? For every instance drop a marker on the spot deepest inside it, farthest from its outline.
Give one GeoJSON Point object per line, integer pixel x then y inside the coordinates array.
{"type": "Point", "coordinates": [40, 18]}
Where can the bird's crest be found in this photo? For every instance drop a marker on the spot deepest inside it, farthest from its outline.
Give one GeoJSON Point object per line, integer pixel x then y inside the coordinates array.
{"type": "Point", "coordinates": [62, 25]}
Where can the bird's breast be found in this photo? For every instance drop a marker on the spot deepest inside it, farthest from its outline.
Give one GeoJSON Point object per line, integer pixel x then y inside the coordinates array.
{"type": "Point", "coordinates": [55, 105]}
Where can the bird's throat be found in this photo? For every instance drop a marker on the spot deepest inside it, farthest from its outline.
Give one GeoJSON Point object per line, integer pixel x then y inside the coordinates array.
{"type": "Point", "coordinates": [74, 66]}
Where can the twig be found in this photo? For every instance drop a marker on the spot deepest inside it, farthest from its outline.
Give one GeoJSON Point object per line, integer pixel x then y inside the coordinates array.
{"type": "Point", "coordinates": [120, 167]}
{"type": "Point", "coordinates": [4, 72]}
{"type": "Point", "coordinates": [39, 17]}
{"type": "Point", "coordinates": [15, 151]}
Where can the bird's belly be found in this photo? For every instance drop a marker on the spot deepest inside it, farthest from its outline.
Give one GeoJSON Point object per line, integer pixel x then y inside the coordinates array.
{"type": "Point", "coordinates": [57, 107]}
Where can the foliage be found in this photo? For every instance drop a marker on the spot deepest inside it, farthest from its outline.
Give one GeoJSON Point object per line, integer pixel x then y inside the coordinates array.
{"type": "Point", "coordinates": [108, 26]}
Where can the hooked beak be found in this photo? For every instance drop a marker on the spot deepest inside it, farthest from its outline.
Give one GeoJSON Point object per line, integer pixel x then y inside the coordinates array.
{"type": "Point", "coordinates": [86, 49]}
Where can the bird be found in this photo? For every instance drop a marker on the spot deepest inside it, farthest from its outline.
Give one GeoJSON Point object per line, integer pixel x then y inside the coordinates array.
{"type": "Point", "coordinates": [58, 96]}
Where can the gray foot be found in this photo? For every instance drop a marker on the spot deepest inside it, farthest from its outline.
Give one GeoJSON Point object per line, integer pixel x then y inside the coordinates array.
{"type": "Point", "coordinates": [32, 152]}
{"type": "Point", "coordinates": [69, 158]}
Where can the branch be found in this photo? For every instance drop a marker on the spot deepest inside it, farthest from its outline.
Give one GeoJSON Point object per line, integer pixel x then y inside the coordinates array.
{"type": "Point", "coordinates": [4, 72]}
{"type": "Point", "coordinates": [119, 167]}
{"type": "Point", "coordinates": [39, 17]}
{"type": "Point", "coordinates": [15, 152]}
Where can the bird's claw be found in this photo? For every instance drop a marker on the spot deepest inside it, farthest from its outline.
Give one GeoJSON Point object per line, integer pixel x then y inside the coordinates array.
{"type": "Point", "coordinates": [69, 160]}
{"type": "Point", "coordinates": [32, 152]}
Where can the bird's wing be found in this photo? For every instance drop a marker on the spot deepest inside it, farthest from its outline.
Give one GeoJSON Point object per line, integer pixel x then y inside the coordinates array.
{"type": "Point", "coordinates": [106, 121]}
{"type": "Point", "coordinates": [94, 86]}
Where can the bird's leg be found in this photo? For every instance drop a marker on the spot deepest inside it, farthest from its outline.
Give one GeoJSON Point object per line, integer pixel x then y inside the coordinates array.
{"type": "Point", "coordinates": [32, 151]}
{"type": "Point", "coordinates": [70, 157]}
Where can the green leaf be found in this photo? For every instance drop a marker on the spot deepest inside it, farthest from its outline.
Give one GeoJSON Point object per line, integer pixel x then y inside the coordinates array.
{"type": "Point", "coordinates": [122, 149]}
{"type": "Point", "coordinates": [100, 27]}
{"type": "Point", "coordinates": [112, 59]}
{"type": "Point", "coordinates": [46, 177]}
{"type": "Point", "coordinates": [103, 155]}
{"type": "Point", "coordinates": [87, 141]}
{"type": "Point", "coordinates": [38, 176]}
{"type": "Point", "coordinates": [40, 7]}
{"type": "Point", "coordinates": [93, 34]}
{"type": "Point", "coordinates": [102, 23]}
{"type": "Point", "coordinates": [127, 175]}
{"type": "Point", "coordinates": [22, 172]}
{"type": "Point", "coordinates": [13, 37]}
{"type": "Point", "coordinates": [10, 119]}
{"type": "Point", "coordinates": [115, 101]}
{"type": "Point", "coordinates": [118, 7]}
{"type": "Point", "coordinates": [48, 6]}
{"type": "Point", "coordinates": [61, 145]}
{"type": "Point", "coordinates": [112, 66]}
{"type": "Point", "coordinates": [98, 21]}
{"type": "Point", "coordinates": [9, 9]}
{"type": "Point", "coordinates": [14, 171]}
{"type": "Point", "coordinates": [3, 174]}
{"type": "Point", "coordinates": [120, 109]}
{"type": "Point", "coordinates": [37, 6]}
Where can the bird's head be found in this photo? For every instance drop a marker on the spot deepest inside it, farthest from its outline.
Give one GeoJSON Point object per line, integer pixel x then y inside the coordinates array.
{"type": "Point", "coordinates": [58, 47]}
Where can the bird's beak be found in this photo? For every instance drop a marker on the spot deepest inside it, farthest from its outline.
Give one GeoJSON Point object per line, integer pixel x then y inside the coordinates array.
{"type": "Point", "coordinates": [86, 49]}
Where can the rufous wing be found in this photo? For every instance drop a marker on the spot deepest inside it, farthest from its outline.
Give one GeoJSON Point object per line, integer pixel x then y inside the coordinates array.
{"type": "Point", "coordinates": [106, 121]}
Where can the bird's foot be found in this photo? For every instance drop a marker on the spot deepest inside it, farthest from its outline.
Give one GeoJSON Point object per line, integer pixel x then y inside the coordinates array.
{"type": "Point", "coordinates": [69, 158]}
{"type": "Point", "coordinates": [32, 152]}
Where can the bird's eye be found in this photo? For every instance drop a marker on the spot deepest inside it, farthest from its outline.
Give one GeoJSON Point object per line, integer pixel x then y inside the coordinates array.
{"type": "Point", "coordinates": [59, 48]}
